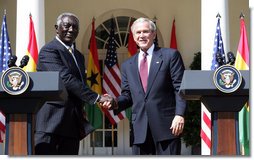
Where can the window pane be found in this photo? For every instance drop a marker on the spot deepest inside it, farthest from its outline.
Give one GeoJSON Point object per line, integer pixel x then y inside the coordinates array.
{"type": "Point", "coordinates": [99, 44]}
{"type": "Point", "coordinates": [108, 139]}
{"type": "Point", "coordinates": [101, 33]}
{"type": "Point", "coordinates": [107, 23]}
{"type": "Point", "coordinates": [122, 23]}
{"type": "Point", "coordinates": [117, 39]}
{"type": "Point", "coordinates": [124, 38]}
{"type": "Point", "coordinates": [108, 125]}
{"type": "Point", "coordinates": [98, 138]}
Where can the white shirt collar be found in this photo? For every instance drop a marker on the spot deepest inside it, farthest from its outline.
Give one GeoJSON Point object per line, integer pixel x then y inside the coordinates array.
{"type": "Point", "coordinates": [149, 51]}
{"type": "Point", "coordinates": [66, 46]}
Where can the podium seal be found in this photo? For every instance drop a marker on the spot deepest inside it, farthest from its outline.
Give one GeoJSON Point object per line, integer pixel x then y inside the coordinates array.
{"type": "Point", "coordinates": [15, 81]}
{"type": "Point", "coordinates": [227, 79]}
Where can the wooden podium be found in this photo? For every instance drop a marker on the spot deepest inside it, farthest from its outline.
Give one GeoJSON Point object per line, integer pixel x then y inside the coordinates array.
{"type": "Point", "coordinates": [198, 85]}
{"type": "Point", "coordinates": [19, 110]}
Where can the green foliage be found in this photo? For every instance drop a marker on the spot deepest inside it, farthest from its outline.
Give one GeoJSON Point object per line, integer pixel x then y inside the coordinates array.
{"type": "Point", "coordinates": [196, 64]}
{"type": "Point", "coordinates": [192, 127]}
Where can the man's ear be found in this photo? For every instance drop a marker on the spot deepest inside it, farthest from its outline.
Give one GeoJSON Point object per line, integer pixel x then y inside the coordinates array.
{"type": "Point", "coordinates": [154, 35]}
{"type": "Point", "coordinates": [56, 27]}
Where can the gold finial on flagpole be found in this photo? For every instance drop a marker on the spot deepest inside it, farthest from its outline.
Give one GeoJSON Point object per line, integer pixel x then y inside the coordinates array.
{"type": "Point", "coordinates": [218, 15]}
{"type": "Point", "coordinates": [242, 15]}
{"type": "Point", "coordinates": [154, 19]}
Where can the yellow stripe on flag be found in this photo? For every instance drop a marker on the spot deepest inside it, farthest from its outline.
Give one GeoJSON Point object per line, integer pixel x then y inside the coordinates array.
{"type": "Point", "coordinates": [31, 66]}
{"type": "Point", "coordinates": [32, 49]}
{"type": "Point", "coordinates": [240, 62]}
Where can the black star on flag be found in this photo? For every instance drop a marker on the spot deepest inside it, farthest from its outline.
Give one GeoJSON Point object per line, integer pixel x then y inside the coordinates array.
{"type": "Point", "coordinates": [93, 77]}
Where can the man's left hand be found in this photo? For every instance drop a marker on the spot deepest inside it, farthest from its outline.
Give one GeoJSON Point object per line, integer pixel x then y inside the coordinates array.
{"type": "Point", "coordinates": [177, 125]}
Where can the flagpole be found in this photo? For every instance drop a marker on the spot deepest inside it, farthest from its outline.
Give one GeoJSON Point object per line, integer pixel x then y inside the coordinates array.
{"type": "Point", "coordinates": [112, 138]}
{"type": "Point", "coordinates": [241, 15]}
{"type": "Point", "coordinates": [93, 141]}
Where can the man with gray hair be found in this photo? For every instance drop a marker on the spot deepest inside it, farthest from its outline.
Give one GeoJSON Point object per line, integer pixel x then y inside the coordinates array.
{"type": "Point", "coordinates": [150, 83]}
{"type": "Point", "coordinates": [60, 125]}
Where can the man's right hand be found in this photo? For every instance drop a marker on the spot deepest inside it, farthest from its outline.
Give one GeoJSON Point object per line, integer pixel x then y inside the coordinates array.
{"type": "Point", "coordinates": [107, 102]}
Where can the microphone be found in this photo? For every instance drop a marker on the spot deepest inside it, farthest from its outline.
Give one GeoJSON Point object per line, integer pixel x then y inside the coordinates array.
{"type": "Point", "coordinates": [11, 62]}
{"type": "Point", "coordinates": [231, 58]}
{"type": "Point", "coordinates": [24, 61]}
{"type": "Point", "coordinates": [219, 59]}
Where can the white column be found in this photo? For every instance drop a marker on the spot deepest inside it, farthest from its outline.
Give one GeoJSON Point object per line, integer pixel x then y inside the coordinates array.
{"type": "Point", "coordinates": [209, 10]}
{"type": "Point", "coordinates": [24, 8]}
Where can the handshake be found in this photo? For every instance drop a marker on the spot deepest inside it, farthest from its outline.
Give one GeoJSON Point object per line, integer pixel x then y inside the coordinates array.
{"type": "Point", "coordinates": [106, 101]}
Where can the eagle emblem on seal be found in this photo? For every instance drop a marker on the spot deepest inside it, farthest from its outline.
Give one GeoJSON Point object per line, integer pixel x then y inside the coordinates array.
{"type": "Point", "coordinates": [15, 80]}
{"type": "Point", "coordinates": [227, 78]}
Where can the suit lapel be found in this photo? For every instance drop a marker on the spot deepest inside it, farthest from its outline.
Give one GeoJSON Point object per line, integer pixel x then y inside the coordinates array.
{"type": "Point", "coordinates": [68, 59]}
{"type": "Point", "coordinates": [154, 68]}
{"type": "Point", "coordinates": [79, 64]}
{"type": "Point", "coordinates": [67, 55]}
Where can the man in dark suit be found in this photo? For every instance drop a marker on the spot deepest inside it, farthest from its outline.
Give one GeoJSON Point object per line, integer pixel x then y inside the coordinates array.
{"type": "Point", "coordinates": [157, 109]}
{"type": "Point", "coordinates": [61, 125]}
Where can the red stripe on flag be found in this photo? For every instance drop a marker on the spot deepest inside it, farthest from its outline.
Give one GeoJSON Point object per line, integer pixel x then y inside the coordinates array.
{"type": "Point", "coordinates": [206, 120]}
{"type": "Point", "coordinates": [205, 138]}
{"type": "Point", "coordinates": [173, 43]}
{"type": "Point", "coordinates": [110, 85]}
{"type": "Point", "coordinates": [120, 116]}
{"type": "Point", "coordinates": [2, 126]}
{"type": "Point", "coordinates": [243, 44]}
{"type": "Point", "coordinates": [132, 46]}
{"type": "Point", "coordinates": [2, 121]}
{"type": "Point", "coordinates": [32, 45]}
{"type": "Point", "coordinates": [111, 119]}
{"type": "Point", "coordinates": [114, 74]}
{"type": "Point", "coordinates": [93, 48]}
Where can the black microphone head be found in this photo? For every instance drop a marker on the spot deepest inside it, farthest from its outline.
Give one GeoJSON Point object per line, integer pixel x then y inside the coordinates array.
{"type": "Point", "coordinates": [24, 61]}
{"type": "Point", "coordinates": [231, 58]}
{"type": "Point", "coordinates": [14, 58]}
{"type": "Point", "coordinates": [219, 59]}
{"type": "Point", "coordinates": [230, 55]}
{"type": "Point", "coordinates": [11, 62]}
{"type": "Point", "coordinates": [26, 57]}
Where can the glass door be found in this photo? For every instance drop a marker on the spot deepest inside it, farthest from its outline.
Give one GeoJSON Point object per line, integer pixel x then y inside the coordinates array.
{"type": "Point", "coordinates": [100, 142]}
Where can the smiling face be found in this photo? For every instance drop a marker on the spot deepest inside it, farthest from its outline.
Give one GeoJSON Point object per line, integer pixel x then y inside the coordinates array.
{"type": "Point", "coordinates": [68, 29]}
{"type": "Point", "coordinates": [143, 35]}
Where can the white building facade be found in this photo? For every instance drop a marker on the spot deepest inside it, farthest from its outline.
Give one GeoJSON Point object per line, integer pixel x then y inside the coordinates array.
{"type": "Point", "coordinates": [195, 29]}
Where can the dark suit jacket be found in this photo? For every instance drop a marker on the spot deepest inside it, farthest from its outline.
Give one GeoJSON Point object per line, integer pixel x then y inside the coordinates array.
{"type": "Point", "coordinates": [161, 102]}
{"type": "Point", "coordinates": [64, 118]}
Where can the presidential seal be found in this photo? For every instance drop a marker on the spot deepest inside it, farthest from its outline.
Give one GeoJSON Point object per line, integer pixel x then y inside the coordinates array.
{"type": "Point", "coordinates": [227, 79]}
{"type": "Point", "coordinates": [15, 81]}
